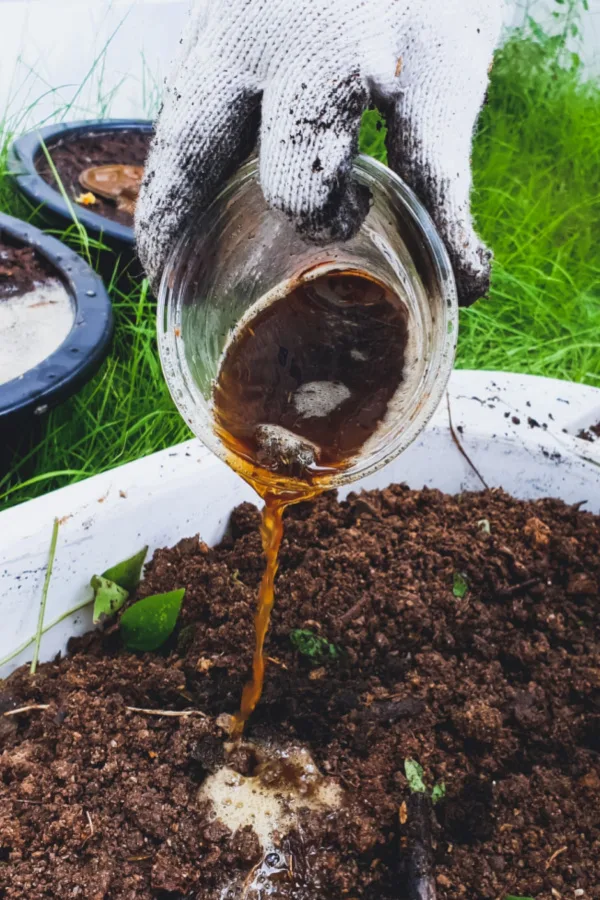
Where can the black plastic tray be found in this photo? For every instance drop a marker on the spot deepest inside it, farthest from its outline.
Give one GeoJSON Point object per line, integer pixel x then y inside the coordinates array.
{"type": "Point", "coordinates": [74, 362]}
{"type": "Point", "coordinates": [21, 166]}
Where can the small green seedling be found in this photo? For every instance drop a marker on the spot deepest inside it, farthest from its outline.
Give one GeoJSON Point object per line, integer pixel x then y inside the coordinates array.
{"type": "Point", "coordinates": [113, 587]}
{"type": "Point", "coordinates": [147, 624]}
{"type": "Point", "coordinates": [512, 897]}
{"type": "Point", "coordinates": [460, 586]}
{"type": "Point", "coordinates": [414, 776]}
{"type": "Point", "coordinates": [438, 793]}
{"type": "Point", "coordinates": [316, 648]}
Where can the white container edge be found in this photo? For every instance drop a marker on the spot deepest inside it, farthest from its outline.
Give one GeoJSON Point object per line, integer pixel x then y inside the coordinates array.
{"type": "Point", "coordinates": [519, 432]}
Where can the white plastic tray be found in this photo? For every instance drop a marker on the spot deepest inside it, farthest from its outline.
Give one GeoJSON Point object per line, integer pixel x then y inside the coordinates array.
{"type": "Point", "coordinates": [518, 431]}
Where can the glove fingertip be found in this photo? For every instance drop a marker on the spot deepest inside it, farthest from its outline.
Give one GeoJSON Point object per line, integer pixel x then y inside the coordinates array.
{"type": "Point", "coordinates": [472, 281]}
{"type": "Point", "coordinates": [342, 215]}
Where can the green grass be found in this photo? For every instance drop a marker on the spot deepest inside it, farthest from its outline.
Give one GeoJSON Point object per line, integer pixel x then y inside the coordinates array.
{"type": "Point", "coordinates": [537, 202]}
{"type": "Point", "coordinates": [536, 166]}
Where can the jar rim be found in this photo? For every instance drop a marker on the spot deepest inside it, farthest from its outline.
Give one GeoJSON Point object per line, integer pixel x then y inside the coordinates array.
{"type": "Point", "coordinates": [182, 385]}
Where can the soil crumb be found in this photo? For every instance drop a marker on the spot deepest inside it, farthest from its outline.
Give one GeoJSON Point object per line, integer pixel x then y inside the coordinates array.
{"type": "Point", "coordinates": [495, 692]}
{"type": "Point", "coordinates": [72, 156]}
{"type": "Point", "coordinates": [592, 433]}
{"type": "Point", "coordinates": [21, 269]}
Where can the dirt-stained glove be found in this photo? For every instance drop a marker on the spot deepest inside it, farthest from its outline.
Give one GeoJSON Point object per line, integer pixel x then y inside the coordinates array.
{"type": "Point", "coordinates": [300, 73]}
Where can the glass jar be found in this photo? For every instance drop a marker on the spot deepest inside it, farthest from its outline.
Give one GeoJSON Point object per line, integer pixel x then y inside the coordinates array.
{"type": "Point", "coordinates": [239, 251]}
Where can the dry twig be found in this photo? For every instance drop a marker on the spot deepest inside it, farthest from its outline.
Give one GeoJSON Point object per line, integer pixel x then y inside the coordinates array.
{"type": "Point", "coordinates": [351, 613]}
{"type": "Point", "coordinates": [24, 709]}
{"type": "Point", "coordinates": [421, 878]}
{"type": "Point", "coordinates": [91, 826]}
{"type": "Point", "coordinates": [172, 713]}
{"type": "Point", "coordinates": [554, 856]}
{"type": "Point", "coordinates": [460, 447]}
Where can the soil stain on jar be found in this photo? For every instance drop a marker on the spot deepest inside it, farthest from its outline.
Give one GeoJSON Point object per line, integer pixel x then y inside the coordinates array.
{"type": "Point", "coordinates": [305, 382]}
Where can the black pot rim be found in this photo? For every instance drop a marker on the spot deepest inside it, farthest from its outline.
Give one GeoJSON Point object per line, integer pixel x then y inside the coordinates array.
{"type": "Point", "coordinates": [79, 356]}
{"type": "Point", "coordinates": [21, 167]}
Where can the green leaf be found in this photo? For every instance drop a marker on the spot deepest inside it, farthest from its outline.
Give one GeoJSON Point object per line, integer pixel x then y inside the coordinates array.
{"type": "Point", "coordinates": [460, 586]}
{"type": "Point", "coordinates": [512, 897]}
{"type": "Point", "coordinates": [438, 793]}
{"type": "Point", "coordinates": [127, 573]}
{"type": "Point", "coordinates": [108, 597]}
{"type": "Point", "coordinates": [148, 623]}
{"type": "Point", "coordinates": [414, 776]}
{"type": "Point", "coordinates": [317, 649]}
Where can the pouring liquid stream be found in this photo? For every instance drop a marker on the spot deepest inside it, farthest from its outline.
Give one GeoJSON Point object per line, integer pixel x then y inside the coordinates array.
{"type": "Point", "coordinates": [302, 387]}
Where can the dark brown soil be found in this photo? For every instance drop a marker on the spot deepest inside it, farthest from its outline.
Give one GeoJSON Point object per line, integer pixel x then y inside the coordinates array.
{"type": "Point", "coordinates": [592, 433]}
{"type": "Point", "coordinates": [496, 693]}
{"type": "Point", "coordinates": [72, 156]}
{"type": "Point", "coordinates": [21, 269]}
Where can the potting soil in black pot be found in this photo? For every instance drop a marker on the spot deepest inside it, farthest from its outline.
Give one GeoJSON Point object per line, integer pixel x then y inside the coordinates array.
{"type": "Point", "coordinates": [72, 156]}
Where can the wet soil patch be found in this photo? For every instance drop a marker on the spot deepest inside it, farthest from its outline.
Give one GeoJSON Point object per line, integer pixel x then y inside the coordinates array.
{"type": "Point", "coordinates": [467, 637]}
{"type": "Point", "coordinates": [21, 269]}
{"type": "Point", "coordinates": [72, 156]}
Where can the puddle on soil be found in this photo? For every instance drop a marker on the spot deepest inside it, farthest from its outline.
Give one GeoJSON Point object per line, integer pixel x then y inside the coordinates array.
{"type": "Point", "coordinates": [284, 781]}
{"type": "Point", "coordinates": [273, 878]}
{"type": "Point", "coordinates": [32, 326]}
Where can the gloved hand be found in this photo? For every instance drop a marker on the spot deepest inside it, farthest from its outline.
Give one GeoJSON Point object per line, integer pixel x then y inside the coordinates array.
{"type": "Point", "coordinates": [301, 72]}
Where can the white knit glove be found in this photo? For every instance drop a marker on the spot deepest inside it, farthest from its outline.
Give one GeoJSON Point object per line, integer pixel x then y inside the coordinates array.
{"type": "Point", "coordinates": [300, 73]}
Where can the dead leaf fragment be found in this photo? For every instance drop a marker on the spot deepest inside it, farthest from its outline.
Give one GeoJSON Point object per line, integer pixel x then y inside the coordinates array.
{"type": "Point", "coordinates": [537, 532]}
{"type": "Point", "coordinates": [403, 813]}
{"type": "Point", "coordinates": [87, 199]}
{"type": "Point", "coordinates": [317, 674]}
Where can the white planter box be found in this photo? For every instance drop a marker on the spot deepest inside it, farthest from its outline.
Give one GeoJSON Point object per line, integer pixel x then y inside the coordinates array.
{"type": "Point", "coordinates": [518, 431]}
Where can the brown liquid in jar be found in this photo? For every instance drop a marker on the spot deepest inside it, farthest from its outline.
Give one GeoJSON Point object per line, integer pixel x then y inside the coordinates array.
{"type": "Point", "coordinates": [302, 387]}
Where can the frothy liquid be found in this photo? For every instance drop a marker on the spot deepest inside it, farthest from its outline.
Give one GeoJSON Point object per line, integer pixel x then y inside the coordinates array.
{"type": "Point", "coordinates": [302, 387]}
